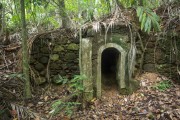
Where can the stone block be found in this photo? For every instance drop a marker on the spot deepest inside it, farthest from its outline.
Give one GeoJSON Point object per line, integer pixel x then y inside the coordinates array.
{"type": "Point", "coordinates": [70, 56]}
{"type": "Point", "coordinates": [54, 57]}
{"type": "Point", "coordinates": [73, 46]}
{"type": "Point", "coordinates": [58, 48]}
{"type": "Point", "coordinates": [149, 67]}
{"type": "Point", "coordinates": [44, 60]}
{"type": "Point", "coordinates": [149, 58]}
{"type": "Point", "coordinates": [39, 66]}
{"type": "Point", "coordinates": [44, 50]}
{"type": "Point", "coordinates": [32, 60]}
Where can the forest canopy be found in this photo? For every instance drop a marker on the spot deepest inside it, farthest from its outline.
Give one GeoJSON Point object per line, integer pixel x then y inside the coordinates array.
{"type": "Point", "coordinates": [51, 14]}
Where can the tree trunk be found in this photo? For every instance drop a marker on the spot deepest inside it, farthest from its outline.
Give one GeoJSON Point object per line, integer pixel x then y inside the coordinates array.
{"type": "Point", "coordinates": [62, 13]}
{"type": "Point", "coordinates": [1, 8]}
{"type": "Point", "coordinates": [1, 19]}
{"type": "Point", "coordinates": [27, 89]}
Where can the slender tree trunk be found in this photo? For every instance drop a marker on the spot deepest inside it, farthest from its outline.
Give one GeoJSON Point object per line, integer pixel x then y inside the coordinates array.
{"type": "Point", "coordinates": [1, 19]}
{"type": "Point", "coordinates": [1, 8]}
{"type": "Point", "coordinates": [27, 89]}
{"type": "Point", "coordinates": [62, 13]}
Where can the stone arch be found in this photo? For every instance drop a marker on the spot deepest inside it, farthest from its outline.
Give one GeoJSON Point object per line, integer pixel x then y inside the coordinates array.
{"type": "Point", "coordinates": [121, 67]}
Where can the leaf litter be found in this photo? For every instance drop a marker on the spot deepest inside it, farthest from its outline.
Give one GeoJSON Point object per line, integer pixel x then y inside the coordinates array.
{"type": "Point", "coordinates": [147, 103]}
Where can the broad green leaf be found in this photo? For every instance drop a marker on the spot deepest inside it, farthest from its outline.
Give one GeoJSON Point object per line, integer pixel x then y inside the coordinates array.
{"type": "Point", "coordinates": [149, 27]}
{"type": "Point", "coordinates": [139, 11]}
{"type": "Point", "coordinates": [141, 14]}
{"type": "Point", "coordinates": [143, 21]}
{"type": "Point", "coordinates": [147, 24]}
{"type": "Point", "coordinates": [155, 23]}
{"type": "Point", "coordinates": [155, 16]}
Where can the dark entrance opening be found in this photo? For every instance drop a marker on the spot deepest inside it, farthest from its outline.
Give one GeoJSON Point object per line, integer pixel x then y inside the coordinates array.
{"type": "Point", "coordinates": [109, 63]}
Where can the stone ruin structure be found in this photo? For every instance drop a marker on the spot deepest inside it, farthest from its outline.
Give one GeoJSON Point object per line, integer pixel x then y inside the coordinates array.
{"type": "Point", "coordinates": [109, 58]}
{"type": "Point", "coordinates": [105, 58]}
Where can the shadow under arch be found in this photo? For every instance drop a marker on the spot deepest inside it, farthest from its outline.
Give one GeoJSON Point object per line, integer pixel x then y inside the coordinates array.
{"type": "Point", "coordinates": [120, 66]}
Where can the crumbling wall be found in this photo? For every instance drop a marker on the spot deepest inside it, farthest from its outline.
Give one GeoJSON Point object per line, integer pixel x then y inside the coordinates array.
{"type": "Point", "coordinates": [162, 56]}
{"type": "Point", "coordinates": [54, 54]}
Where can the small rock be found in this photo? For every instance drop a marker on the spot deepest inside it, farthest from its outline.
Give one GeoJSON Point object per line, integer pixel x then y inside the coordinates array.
{"type": "Point", "coordinates": [40, 103]}
{"type": "Point", "coordinates": [46, 108]}
{"type": "Point", "coordinates": [143, 83]}
{"type": "Point", "coordinates": [95, 117]}
{"type": "Point", "coordinates": [45, 98]}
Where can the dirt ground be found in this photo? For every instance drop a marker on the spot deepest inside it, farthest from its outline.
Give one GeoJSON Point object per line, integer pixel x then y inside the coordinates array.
{"type": "Point", "coordinates": [146, 103]}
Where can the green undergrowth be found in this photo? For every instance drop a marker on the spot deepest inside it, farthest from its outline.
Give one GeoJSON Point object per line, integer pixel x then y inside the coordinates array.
{"type": "Point", "coordinates": [59, 106]}
{"type": "Point", "coordinates": [67, 105]}
{"type": "Point", "coordinates": [163, 85]}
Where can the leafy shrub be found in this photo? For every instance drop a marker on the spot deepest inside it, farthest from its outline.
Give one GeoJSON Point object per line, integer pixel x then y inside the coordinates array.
{"type": "Point", "coordinates": [67, 107]}
{"type": "Point", "coordinates": [163, 85]}
{"type": "Point", "coordinates": [76, 84]}
{"type": "Point", "coordinates": [76, 89]}
{"type": "Point", "coordinates": [60, 80]}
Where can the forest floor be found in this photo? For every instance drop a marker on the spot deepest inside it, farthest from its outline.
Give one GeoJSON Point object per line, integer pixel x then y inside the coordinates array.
{"type": "Point", "coordinates": [146, 103]}
{"type": "Point", "coordinates": [149, 102]}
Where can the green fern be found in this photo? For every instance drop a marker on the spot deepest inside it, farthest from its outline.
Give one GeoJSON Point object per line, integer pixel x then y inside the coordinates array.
{"type": "Point", "coordinates": [148, 19]}
{"type": "Point", "coordinates": [76, 84]}
{"type": "Point", "coordinates": [76, 88]}
{"type": "Point", "coordinates": [60, 80]}
{"type": "Point", "coordinates": [66, 107]}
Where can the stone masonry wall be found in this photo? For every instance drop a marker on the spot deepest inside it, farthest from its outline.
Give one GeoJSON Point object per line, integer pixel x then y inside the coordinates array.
{"type": "Point", "coordinates": [54, 54]}
{"type": "Point", "coordinates": [162, 56]}
{"type": "Point", "coordinates": [57, 53]}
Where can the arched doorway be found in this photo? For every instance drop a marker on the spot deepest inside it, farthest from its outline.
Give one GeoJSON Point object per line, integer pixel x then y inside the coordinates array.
{"type": "Point", "coordinates": [113, 51]}
{"type": "Point", "coordinates": [109, 68]}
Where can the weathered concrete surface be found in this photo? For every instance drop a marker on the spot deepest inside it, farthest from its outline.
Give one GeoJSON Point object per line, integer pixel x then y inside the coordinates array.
{"type": "Point", "coordinates": [117, 38]}
{"type": "Point", "coordinates": [120, 67]}
{"type": "Point", "coordinates": [87, 69]}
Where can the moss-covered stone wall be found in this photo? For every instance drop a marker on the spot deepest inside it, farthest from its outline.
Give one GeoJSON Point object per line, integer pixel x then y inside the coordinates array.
{"type": "Point", "coordinates": [57, 53]}
{"type": "Point", "coordinates": [162, 56]}
{"type": "Point", "coordinates": [54, 54]}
